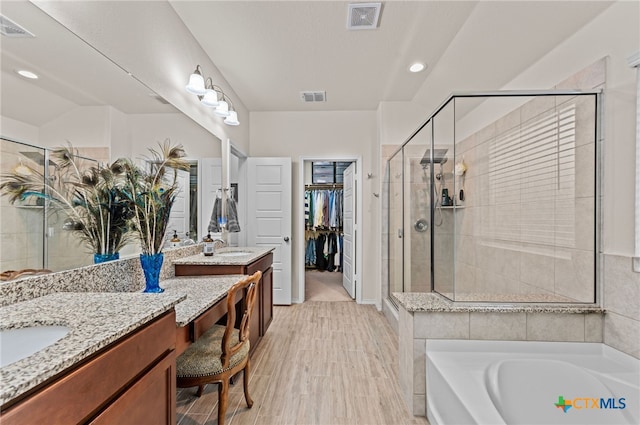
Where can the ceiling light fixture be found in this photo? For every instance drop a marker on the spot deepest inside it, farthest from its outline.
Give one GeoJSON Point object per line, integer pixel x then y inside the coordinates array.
{"type": "Point", "coordinates": [27, 74]}
{"type": "Point", "coordinates": [417, 67]}
{"type": "Point", "coordinates": [208, 93]}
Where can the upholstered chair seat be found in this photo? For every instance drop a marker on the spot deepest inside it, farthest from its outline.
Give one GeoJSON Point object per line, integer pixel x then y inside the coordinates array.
{"type": "Point", "coordinates": [204, 357]}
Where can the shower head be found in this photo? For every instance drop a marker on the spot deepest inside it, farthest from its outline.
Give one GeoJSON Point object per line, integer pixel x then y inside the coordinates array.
{"type": "Point", "coordinates": [439, 157]}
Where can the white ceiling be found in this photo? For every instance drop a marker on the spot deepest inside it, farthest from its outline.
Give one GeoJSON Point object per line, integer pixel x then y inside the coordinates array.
{"type": "Point", "coordinates": [270, 51]}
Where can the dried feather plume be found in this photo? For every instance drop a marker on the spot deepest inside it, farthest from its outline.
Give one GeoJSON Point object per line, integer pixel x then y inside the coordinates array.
{"type": "Point", "coordinates": [90, 198]}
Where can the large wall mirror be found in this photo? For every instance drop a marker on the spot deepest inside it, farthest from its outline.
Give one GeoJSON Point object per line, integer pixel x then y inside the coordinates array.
{"type": "Point", "coordinates": [83, 98]}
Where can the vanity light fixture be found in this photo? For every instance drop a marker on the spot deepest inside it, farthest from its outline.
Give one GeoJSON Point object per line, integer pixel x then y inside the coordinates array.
{"type": "Point", "coordinates": [417, 67]}
{"type": "Point", "coordinates": [210, 98]}
{"type": "Point", "coordinates": [232, 119]}
{"type": "Point", "coordinates": [208, 93]}
{"type": "Point", "coordinates": [223, 109]}
{"type": "Point", "coordinates": [196, 82]}
{"type": "Point", "coordinates": [27, 74]}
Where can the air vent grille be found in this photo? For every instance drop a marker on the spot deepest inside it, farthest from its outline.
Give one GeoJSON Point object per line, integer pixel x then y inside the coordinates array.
{"type": "Point", "coordinates": [313, 96]}
{"type": "Point", "coordinates": [363, 16]}
{"type": "Point", "coordinates": [11, 29]}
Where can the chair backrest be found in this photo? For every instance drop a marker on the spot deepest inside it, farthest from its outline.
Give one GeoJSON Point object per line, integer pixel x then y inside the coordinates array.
{"type": "Point", "coordinates": [248, 286]}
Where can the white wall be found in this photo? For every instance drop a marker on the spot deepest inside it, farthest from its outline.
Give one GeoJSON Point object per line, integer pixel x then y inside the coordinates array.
{"type": "Point", "coordinates": [343, 134]}
{"type": "Point", "coordinates": [82, 127]}
{"type": "Point", "coordinates": [146, 130]}
{"type": "Point", "coordinates": [19, 131]}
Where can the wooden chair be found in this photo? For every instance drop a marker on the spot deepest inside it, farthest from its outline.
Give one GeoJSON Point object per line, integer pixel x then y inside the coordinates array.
{"type": "Point", "coordinates": [222, 351]}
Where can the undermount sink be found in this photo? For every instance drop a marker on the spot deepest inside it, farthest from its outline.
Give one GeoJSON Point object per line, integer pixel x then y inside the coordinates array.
{"type": "Point", "coordinates": [233, 253]}
{"type": "Point", "coordinates": [16, 344]}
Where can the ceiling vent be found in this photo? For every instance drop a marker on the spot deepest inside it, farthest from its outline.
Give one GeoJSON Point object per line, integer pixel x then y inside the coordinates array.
{"type": "Point", "coordinates": [313, 96]}
{"type": "Point", "coordinates": [11, 29]}
{"type": "Point", "coordinates": [363, 16]}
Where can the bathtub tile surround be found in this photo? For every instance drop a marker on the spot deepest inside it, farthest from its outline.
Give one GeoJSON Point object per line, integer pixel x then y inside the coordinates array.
{"type": "Point", "coordinates": [123, 275]}
{"type": "Point", "coordinates": [427, 316]}
{"type": "Point", "coordinates": [621, 299]}
{"type": "Point", "coordinates": [511, 326]}
{"type": "Point", "coordinates": [556, 327]}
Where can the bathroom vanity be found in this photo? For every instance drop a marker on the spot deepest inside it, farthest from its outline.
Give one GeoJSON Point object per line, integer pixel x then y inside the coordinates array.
{"type": "Point", "coordinates": [238, 261]}
{"type": "Point", "coordinates": [116, 364]}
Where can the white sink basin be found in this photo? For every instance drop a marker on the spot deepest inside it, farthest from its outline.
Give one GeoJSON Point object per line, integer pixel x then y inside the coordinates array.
{"type": "Point", "coordinates": [16, 344]}
{"type": "Point", "coordinates": [233, 253]}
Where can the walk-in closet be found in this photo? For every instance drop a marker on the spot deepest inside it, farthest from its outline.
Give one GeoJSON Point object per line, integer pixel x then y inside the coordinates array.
{"type": "Point", "coordinates": [324, 218]}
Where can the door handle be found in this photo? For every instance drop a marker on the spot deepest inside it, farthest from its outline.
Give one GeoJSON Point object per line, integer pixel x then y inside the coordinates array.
{"type": "Point", "coordinates": [286, 238]}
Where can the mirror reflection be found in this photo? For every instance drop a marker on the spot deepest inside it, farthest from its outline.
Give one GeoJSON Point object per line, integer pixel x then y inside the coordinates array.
{"type": "Point", "coordinates": [81, 98]}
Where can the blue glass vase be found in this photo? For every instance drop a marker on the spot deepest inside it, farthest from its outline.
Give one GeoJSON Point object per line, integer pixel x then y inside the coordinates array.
{"type": "Point", "coordinates": [151, 265]}
{"type": "Point", "coordinates": [101, 258]}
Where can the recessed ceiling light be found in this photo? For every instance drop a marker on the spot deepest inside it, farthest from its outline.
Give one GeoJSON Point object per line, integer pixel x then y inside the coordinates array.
{"type": "Point", "coordinates": [417, 67]}
{"type": "Point", "coordinates": [27, 74]}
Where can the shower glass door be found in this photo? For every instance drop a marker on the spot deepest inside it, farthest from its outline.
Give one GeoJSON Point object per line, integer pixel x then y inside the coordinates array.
{"type": "Point", "coordinates": [442, 160]}
{"type": "Point", "coordinates": [417, 208]}
{"type": "Point", "coordinates": [395, 228]}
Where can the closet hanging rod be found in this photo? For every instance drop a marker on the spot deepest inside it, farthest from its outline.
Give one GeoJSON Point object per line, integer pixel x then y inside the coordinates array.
{"type": "Point", "coordinates": [324, 186]}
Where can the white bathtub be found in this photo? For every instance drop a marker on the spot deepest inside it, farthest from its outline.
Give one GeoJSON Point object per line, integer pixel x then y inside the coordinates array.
{"type": "Point", "coordinates": [520, 382]}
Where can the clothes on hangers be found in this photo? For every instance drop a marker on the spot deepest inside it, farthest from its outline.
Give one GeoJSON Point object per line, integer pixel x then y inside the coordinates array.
{"type": "Point", "coordinates": [324, 208]}
{"type": "Point", "coordinates": [323, 250]}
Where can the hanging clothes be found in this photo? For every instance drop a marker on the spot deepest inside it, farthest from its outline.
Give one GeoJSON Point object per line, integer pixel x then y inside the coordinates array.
{"type": "Point", "coordinates": [324, 208]}
{"type": "Point", "coordinates": [310, 252]}
{"type": "Point", "coordinates": [320, 259]}
{"type": "Point", "coordinates": [307, 207]}
{"type": "Point", "coordinates": [332, 250]}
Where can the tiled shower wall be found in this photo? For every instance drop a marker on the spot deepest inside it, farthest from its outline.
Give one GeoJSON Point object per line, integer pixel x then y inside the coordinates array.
{"type": "Point", "coordinates": [524, 231]}
{"type": "Point", "coordinates": [21, 227]}
{"type": "Point", "coordinates": [621, 301]}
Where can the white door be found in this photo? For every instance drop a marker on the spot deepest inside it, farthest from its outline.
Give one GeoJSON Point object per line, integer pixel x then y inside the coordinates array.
{"type": "Point", "coordinates": [210, 185]}
{"type": "Point", "coordinates": [179, 215]}
{"type": "Point", "coordinates": [269, 212]}
{"type": "Point", "coordinates": [349, 229]}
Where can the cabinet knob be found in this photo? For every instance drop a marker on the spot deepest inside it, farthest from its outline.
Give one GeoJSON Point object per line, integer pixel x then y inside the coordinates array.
{"type": "Point", "coordinates": [286, 238]}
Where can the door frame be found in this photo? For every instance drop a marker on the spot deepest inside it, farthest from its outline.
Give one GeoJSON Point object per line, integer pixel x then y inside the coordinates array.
{"type": "Point", "coordinates": [299, 225]}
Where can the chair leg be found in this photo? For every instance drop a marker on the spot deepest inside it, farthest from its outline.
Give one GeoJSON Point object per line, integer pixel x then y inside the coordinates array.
{"type": "Point", "coordinates": [245, 379]}
{"type": "Point", "coordinates": [223, 398]}
{"type": "Point", "coordinates": [200, 389]}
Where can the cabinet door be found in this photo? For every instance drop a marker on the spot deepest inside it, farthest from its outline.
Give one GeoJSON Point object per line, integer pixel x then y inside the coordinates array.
{"type": "Point", "coordinates": [151, 400]}
{"type": "Point", "coordinates": [266, 313]}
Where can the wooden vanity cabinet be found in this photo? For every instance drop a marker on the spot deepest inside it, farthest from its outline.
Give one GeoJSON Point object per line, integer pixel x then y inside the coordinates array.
{"type": "Point", "coordinates": [132, 381]}
{"type": "Point", "coordinates": [263, 311]}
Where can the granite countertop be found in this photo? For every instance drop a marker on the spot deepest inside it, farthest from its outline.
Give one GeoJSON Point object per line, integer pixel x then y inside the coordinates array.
{"type": "Point", "coordinates": [228, 256]}
{"type": "Point", "coordinates": [202, 292]}
{"type": "Point", "coordinates": [95, 321]}
{"type": "Point", "coordinates": [432, 302]}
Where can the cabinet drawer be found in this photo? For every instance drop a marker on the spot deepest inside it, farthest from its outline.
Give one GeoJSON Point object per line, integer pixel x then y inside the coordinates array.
{"type": "Point", "coordinates": [84, 391]}
{"type": "Point", "coordinates": [150, 401]}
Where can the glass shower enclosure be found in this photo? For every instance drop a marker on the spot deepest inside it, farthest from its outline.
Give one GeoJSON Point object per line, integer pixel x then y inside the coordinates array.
{"type": "Point", "coordinates": [495, 198]}
{"type": "Point", "coordinates": [32, 236]}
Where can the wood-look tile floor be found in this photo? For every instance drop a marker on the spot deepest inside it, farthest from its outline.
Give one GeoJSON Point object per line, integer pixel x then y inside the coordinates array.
{"type": "Point", "coordinates": [329, 363]}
